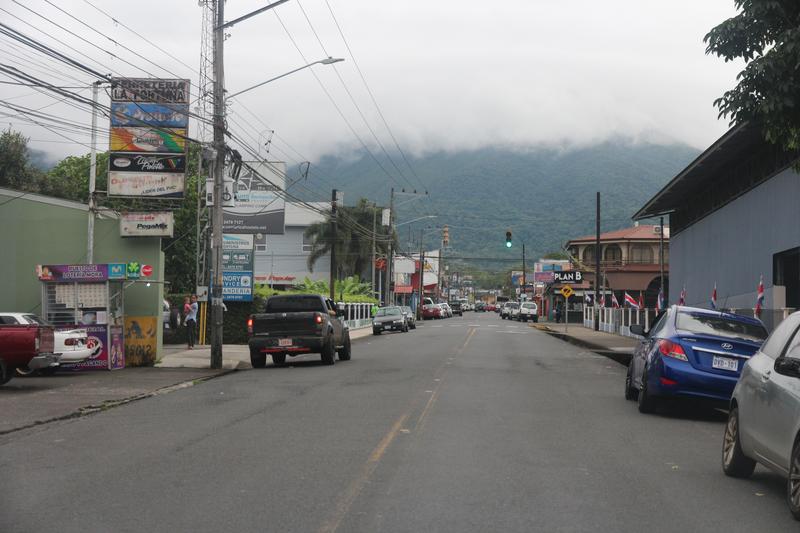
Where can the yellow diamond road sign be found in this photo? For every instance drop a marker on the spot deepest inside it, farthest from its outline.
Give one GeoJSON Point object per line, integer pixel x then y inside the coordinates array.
{"type": "Point", "coordinates": [567, 291]}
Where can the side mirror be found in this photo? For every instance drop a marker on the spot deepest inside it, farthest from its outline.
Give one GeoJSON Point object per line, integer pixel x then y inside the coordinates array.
{"type": "Point", "coordinates": [788, 366]}
{"type": "Point", "coordinates": [638, 329]}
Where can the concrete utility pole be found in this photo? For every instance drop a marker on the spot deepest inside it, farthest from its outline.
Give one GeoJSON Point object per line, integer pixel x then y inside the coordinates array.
{"type": "Point", "coordinates": [522, 292]}
{"type": "Point", "coordinates": [92, 178]}
{"type": "Point", "coordinates": [597, 266]}
{"type": "Point", "coordinates": [421, 275]}
{"type": "Point", "coordinates": [661, 257]}
{"type": "Point", "coordinates": [219, 184]}
{"type": "Point", "coordinates": [374, 229]}
{"type": "Point", "coordinates": [334, 229]}
{"type": "Point", "coordinates": [390, 255]}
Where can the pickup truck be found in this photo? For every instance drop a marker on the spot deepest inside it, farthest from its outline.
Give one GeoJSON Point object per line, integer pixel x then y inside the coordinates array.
{"type": "Point", "coordinates": [25, 346]}
{"type": "Point", "coordinates": [297, 324]}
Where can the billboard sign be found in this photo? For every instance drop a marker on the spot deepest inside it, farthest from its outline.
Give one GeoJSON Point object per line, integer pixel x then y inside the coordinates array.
{"type": "Point", "coordinates": [144, 162]}
{"type": "Point", "coordinates": [150, 224]}
{"type": "Point", "coordinates": [237, 267]}
{"type": "Point", "coordinates": [144, 139]}
{"type": "Point", "coordinates": [544, 277]}
{"type": "Point", "coordinates": [143, 184]}
{"type": "Point", "coordinates": [568, 276]}
{"type": "Point", "coordinates": [164, 91]}
{"type": "Point", "coordinates": [149, 114]}
{"type": "Point", "coordinates": [259, 208]}
{"type": "Point", "coordinates": [237, 286]}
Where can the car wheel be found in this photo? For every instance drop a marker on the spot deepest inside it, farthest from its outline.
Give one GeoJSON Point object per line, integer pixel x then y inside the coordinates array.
{"type": "Point", "coordinates": [647, 402]}
{"type": "Point", "coordinates": [5, 373]}
{"type": "Point", "coordinates": [376, 332]}
{"type": "Point", "coordinates": [26, 372]}
{"type": "Point", "coordinates": [793, 485]}
{"type": "Point", "coordinates": [414, 325]}
{"type": "Point", "coordinates": [279, 359]}
{"type": "Point", "coordinates": [328, 352]}
{"type": "Point", "coordinates": [734, 462]}
{"type": "Point", "coordinates": [630, 390]}
{"type": "Point", "coordinates": [257, 359]}
{"type": "Point", "coordinates": [344, 351]}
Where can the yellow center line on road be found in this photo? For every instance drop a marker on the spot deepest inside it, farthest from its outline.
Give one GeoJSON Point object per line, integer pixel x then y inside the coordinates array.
{"type": "Point", "coordinates": [365, 472]}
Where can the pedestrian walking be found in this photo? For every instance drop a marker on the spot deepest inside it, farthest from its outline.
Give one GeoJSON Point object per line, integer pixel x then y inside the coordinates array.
{"type": "Point", "coordinates": [190, 308]}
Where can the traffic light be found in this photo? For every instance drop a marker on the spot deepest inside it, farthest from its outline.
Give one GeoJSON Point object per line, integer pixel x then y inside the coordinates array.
{"type": "Point", "coordinates": [508, 239]}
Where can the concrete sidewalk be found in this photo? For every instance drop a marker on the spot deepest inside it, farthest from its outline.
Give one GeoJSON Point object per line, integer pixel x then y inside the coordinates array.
{"type": "Point", "coordinates": [28, 402]}
{"type": "Point", "coordinates": [234, 356]}
{"type": "Point", "coordinates": [616, 347]}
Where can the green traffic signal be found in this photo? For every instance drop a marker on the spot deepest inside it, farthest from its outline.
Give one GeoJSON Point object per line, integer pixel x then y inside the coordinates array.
{"type": "Point", "coordinates": [508, 244]}
{"type": "Point", "coordinates": [508, 239]}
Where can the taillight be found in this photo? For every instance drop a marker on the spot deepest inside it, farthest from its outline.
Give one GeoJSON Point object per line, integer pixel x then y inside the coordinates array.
{"type": "Point", "coordinates": [672, 349]}
{"type": "Point", "coordinates": [250, 325]}
{"type": "Point", "coordinates": [318, 319]}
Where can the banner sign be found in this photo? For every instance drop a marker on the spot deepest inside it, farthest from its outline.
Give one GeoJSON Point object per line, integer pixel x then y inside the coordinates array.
{"type": "Point", "coordinates": [155, 224]}
{"type": "Point", "coordinates": [259, 208]}
{"type": "Point", "coordinates": [568, 276]}
{"type": "Point", "coordinates": [72, 272]}
{"type": "Point", "coordinates": [237, 286]}
{"type": "Point", "coordinates": [142, 139]}
{"type": "Point", "coordinates": [544, 277]}
{"type": "Point", "coordinates": [145, 184]}
{"type": "Point", "coordinates": [146, 162]}
{"type": "Point", "coordinates": [164, 91]}
{"type": "Point", "coordinates": [148, 114]}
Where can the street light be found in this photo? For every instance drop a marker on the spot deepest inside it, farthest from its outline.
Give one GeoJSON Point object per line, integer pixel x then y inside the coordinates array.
{"type": "Point", "coordinates": [326, 61]}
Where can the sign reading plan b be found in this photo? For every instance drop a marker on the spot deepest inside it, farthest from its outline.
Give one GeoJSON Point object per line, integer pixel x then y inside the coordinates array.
{"type": "Point", "coordinates": [568, 276]}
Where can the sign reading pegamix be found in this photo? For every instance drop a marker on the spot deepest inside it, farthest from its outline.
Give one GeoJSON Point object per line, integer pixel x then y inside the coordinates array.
{"type": "Point", "coordinates": [149, 126]}
{"type": "Point", "coordinates": [162, 91]}
{"type": "Point", "coordinates": [150, 224]}
{"type": "Point", "coordinates": [568, 276]}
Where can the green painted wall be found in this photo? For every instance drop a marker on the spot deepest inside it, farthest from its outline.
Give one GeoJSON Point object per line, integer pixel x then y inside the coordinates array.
{"type": "Point", "coordinates": [36, 233]}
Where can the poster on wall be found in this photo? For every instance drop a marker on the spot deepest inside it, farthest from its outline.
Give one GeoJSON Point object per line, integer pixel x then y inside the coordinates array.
{"type": "Point", "coordinates": [97, 342]}
{"type": "Point", "coordinates": [141, 340]}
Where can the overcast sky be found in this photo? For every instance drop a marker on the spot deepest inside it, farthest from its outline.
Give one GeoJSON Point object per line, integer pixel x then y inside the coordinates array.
{"type": "Point", "coordinates": [447, 74]}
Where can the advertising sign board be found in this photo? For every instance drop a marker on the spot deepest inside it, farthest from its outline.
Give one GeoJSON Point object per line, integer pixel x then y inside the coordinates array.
{"type": "Point", "coordinates": [544, 277]}
{"type": "Point", "coordinates": [149, 114]}
{"type": "Point", "coordinates": [144, 139]}
{"type": "Point", "coordinates": [150, 224]}
{"type": "Point", "coordinates": [145, 162]}
{"type": "Point", "coordinates": [568, 276]}
{"type": "Point", "coordinates": [166, 91]}
{"type": "Point", "coordinates": [146, 184]}
{"type": "Point", "coordinates": [73, 272]}
{"type": "Point", "coordinates": [141, 339]}
{"type": "Point", "coordinates": [237, 286]}
{"type": "Point", "coordinates": [259, 208]}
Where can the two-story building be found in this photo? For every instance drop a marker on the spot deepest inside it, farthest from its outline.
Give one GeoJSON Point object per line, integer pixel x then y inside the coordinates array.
{"type": "Point", "coordinates": [630, 261]}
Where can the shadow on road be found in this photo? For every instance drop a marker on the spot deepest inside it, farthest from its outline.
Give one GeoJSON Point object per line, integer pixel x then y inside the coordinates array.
{"type": "Point", "coordinates": [692, 410]}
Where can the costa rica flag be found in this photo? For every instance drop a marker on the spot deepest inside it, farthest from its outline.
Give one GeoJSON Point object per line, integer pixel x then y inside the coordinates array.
{"type": "Point", "coordinates": [682, 300]}
{"type": "Point", "coordinates": [614, 302]}
{"type": "Point", "coordinates": [631, 301]}
{"type": "Point", "coordinates": [714, 297]}
{"type": "Point", "coordinates": [760, 297]}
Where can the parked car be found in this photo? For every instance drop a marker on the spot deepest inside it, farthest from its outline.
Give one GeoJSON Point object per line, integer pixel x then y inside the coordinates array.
{"type": "Point", "coordinates": [446, 311]}
{"type": "Point", "coordinates": [25, 346]}
{"type": "Point", "coordinates": [490, 307]}
{"type": "Point", "coordinates": [764, 418]}
{"type": "Point", "coordinates": [410, 318]}
{"type": "Point", "coordinates": [691, 353]}
{"type": "Point", "coordinates": [431, 312]}
{"type": "Point", "coordinates": [389, 319]}
{"type": "Point", "coordinates": [528, 311]}
{"type": "Point", "coordinates": [513, 311]}
{"type": "Point", "coordinates": [504, 311]}
{"type": "Point", "coordinates": [479, 307]}
{"type": "Point", "coordinates": [71, 346]}
{"type": "Point", "coordinates": [298, 324]}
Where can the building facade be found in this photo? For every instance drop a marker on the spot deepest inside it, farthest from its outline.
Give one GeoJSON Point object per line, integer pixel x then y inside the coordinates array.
{"type": "Point", "coordinates": [734, 218]}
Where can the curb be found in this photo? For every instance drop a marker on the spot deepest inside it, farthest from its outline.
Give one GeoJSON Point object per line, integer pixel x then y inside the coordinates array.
{"type": "Point", "coordinates": [620, 357]}
{"type": "Point", "coordinates": [110, 404]}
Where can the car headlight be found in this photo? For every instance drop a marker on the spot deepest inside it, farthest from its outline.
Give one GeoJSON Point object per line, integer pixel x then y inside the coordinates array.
{"type": "Point", "coordinates": [376, 323]}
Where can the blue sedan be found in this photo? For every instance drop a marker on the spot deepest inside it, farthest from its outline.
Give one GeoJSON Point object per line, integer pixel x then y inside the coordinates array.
{"type": "Point", "coordinates": [691, 353]}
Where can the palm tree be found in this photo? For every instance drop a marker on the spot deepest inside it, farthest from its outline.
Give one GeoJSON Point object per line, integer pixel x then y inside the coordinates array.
{"type": "Point", "coordinates": [353, 239]}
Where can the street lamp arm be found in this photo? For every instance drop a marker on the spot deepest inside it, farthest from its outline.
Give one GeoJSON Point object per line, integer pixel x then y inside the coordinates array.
{"type": "Point", "coordinates": [415, 220]}
{"type": "Point", "coordinates": [251, 14]}
{"type": "Point", "coordinates": [326, 61]}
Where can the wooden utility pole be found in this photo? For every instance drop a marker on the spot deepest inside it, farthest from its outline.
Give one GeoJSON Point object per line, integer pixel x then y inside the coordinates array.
{"type": "Point", "coordinates": [596, 267]}
{"type": "Point", "coordinates": [334, 229]}
{"type": "Point", "coordinates": [661, 259]}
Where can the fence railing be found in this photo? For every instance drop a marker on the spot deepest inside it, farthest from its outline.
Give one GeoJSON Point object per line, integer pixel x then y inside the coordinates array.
{"type": "Point", "coordinates": [619, 321]}
{"type": "Point", "coordinates": [357, 315]}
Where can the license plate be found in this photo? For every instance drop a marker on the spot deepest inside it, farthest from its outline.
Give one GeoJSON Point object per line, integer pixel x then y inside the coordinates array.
{"type": "Point", "coordinates": [284, 342]}
{"type": "Point", "coordinates": [387, 327]}
{"type": "Point", "coordinates": [724, 363]}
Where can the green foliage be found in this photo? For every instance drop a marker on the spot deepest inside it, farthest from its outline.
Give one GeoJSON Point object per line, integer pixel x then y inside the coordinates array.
{"type": "Point", "coordinates": [16, 170]}
{"type": "Point", "coordinates": [353, 245]}
{"type": "Point", "coordinates": [766, 35]}
{"type": "Point", "coordinates": [556, 255]}
{"type": "Point", "coordinates": [348, 290]}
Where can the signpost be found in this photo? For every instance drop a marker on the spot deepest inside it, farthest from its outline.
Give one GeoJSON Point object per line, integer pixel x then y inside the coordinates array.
{"type": "Point", "coordinates": [566, 292]}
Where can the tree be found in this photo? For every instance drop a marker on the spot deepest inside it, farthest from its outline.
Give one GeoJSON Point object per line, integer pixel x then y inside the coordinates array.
{"type": "Point", "coordinates": [556, 255]}
{"type": "Point", "coordinates": [16, 171]}
{"type": "Point", "coordinates": [353, 242]}
{"type": "Point", "coordinates": [766, 35]}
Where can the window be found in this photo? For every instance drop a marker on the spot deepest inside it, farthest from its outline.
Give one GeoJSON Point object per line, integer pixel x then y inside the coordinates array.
{"type": "Point", "coordinates": [612, 254]}
{"type": "Point", "coordinates": [588, 254]}
{"type": "Point", "coordinates": [721, 326]}
{"type": "Point", "coordinates": [641, 253]}
{"type": "Point", "coordinates": [306, 243]}
{"type": "Point", "coordinates": [774, 345]}
{"type": "Point", "coordinates": [291, 304]}
{"type": "Point", "coordinates": [660, 322]}
{"type": "Point", "coordinates": [8, 320]}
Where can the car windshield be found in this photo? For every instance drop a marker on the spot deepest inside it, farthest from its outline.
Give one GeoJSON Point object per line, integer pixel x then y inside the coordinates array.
{"type": "Point", "coordinates": [388, 311]}
{"type": "Point", "coordinates": [722, 326]}
{"type": "Point", "coordinates": [513, 306]}
{"type": "Point", "coordinates": [528, 306]}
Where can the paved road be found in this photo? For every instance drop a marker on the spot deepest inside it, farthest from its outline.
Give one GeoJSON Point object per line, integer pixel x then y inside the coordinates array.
{"type": "Point", "coordinates": [467, 424]}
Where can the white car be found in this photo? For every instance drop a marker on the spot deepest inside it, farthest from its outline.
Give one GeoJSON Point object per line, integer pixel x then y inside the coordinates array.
{"type": "Point", "coordinates": [528, 311]}
{"type": "Point", "coordinates": [70, 346]}
{"type": "Point", "coordinates": [513, 311]}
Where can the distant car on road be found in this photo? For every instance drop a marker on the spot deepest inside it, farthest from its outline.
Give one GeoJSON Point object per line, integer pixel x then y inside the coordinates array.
{"type": "Point", "coordinates": [528, 311]}
{"type": "Point", "coordinates": [456, 308]}
{"type": "Point", "coordinates": [691, 353]}
{"type": "Point", "coordinates": [410, 318]}
{"type": "Point", "coordinates": [764, 417]}
{"type": "Point", "coordinates": [513, 310]}
{"type": "Point", "coordinates": [389, 319]}
{"type": "Point", "coordinates": [479, 307]}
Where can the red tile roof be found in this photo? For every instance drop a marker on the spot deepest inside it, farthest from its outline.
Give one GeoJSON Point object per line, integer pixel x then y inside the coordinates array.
{"type": "Point", "coordinates": [642, 232]}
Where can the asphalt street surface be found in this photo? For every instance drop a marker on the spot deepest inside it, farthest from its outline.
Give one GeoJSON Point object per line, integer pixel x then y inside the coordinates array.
{"type": "Point", "coordinates": [466, 424]}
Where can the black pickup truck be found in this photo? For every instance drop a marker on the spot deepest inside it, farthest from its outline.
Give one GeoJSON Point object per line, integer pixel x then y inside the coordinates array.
{"type": "Point", "coordinates": [297, 324]}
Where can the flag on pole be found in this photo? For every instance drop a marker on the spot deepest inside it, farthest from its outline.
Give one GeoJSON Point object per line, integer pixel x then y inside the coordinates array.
{"type": "Point", "coordinates": [682, 300]}
{"type": "Point", "coordinates": [631, 301]}
{"type": "Point", "coordinates": [641, 300]}
{"type": "Point", "coordinates": [760, 297]}
{"type": "Point", "coordinates": [714, 297]}
{"type": "Point", "coordinates": [614, 302]}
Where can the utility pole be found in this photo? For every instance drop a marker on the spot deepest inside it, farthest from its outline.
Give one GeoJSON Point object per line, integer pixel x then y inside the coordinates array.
{"type": "Point", "coordinates": [390, 255]}
{"type": "Point", "coordinates": [597, 266]}
{"type": "Point", "coordinates": [92, 178]}
{"type": "Point", "coordinates": [661, 258]}
{"type": "Point", "coordinates": [374, 229]}
{"type": "Point", "coordinates": [421, 275]}
{"type": "Point", "coordinates": [219, 184]}
{"type": "Point", "coordinates": [333, 245]}
{"type": "Point", "coordinates": [522, 293]}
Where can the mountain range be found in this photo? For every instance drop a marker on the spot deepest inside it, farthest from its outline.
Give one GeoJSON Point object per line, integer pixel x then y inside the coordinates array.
{"type": "Point", "coordinates": [545, 196]}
